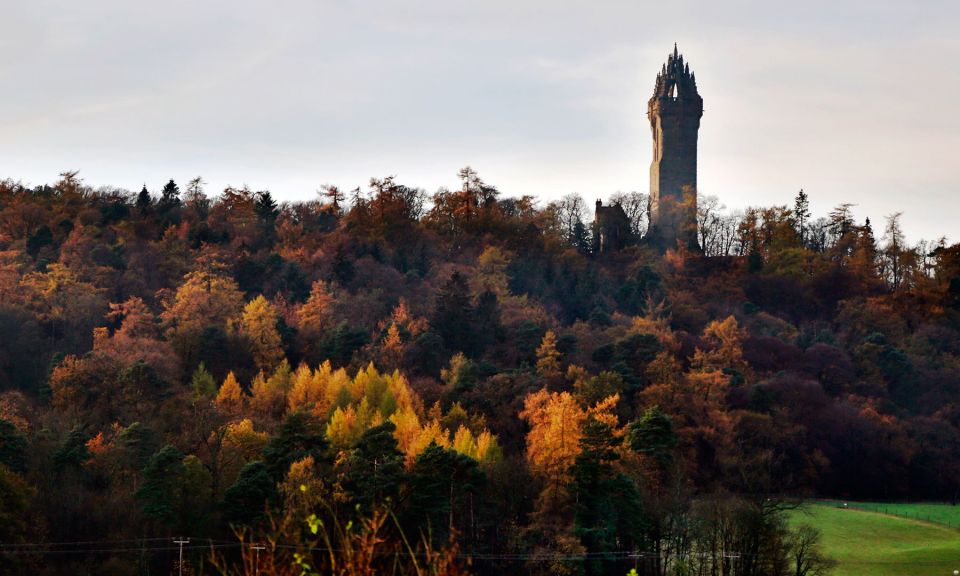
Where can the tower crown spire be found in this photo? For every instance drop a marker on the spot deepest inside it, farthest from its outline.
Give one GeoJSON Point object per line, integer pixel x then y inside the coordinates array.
{"type": "Point", "coordinates": [675, 80]}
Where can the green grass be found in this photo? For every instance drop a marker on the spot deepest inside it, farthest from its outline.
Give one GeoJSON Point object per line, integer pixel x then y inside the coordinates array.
{"type": "Point", "coordinates": [872, 543]}
{"type": "Point", "coordinates": [931, 512]}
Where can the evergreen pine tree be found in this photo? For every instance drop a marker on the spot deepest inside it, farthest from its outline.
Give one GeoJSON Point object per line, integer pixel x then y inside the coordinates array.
{"type": "Point", "coordinates": [581, 238]}
{"type": "Point", "coordinates": [653, 434]}
{"type": "Point", "coordinates": [801, 215]}
{"type": "Point", "coordinates": [609, 516]}
{"type": "Point", "coordinates": [453, 315]}
{"type": "Point", "coordinates": [487, 327]}
{"type": "Point", "coordinates": [374, 469]}
{"type": "Point", "coordinates": [144, 201]}
{"type": "Point", "coordinates": [245, 501]}
{"type": "Point", "coordinates": [13, 447]}
{"type": "Point", "coordinates": [159, 493]}
{"type": "Point", "coordinates": [169, 196]}
{"type": "Point", "coordinates": [266, 207]}
{"type": "Point", "coordinates": [301, 435]}
{"type": "Point", "coordinates": [443, 488]}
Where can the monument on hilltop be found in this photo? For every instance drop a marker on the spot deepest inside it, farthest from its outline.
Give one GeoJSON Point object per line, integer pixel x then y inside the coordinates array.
{"type": "Point", "coordinates": [674, 112]}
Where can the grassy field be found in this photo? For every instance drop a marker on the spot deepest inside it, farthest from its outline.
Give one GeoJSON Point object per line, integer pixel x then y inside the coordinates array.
{"type": "Point", "coordinates": [931, 512]}
{"type": "Point", "coordinates": [873, 543]}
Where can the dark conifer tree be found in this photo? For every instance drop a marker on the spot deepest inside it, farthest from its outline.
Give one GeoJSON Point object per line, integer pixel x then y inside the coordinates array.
{"type": "Point", "coordinates": [487, 327]}
{"type": "Point", "coordinates": [609, 516]}
{"type": "Point", "coordinates": [245, 501]}
{"type": "Point", "coordinates": [169, 196]}
{"type": "Point", "coordinates": [300, 435]}
{"type": "Point", "coordinates": [342, 266]}
{"type": "Point", "coordinates": [266, 207]}
{"type": "Point", "coordinates": [13, 447]}
{"type": "Point", "coordinates": [453, 315]}
{"type": "Point", "coordinates": [42, 237]}
{"type": "Point", "coordinates": [581, 238]}
{"type": "Point", "coordinates": [158, 495]}
{"type": "Point", "coordinates": [443, 491]}
{"type": "Point", "coordinates": [144, 201]}
{"type": "Point", "coordinates": [801, 215]}
{"type": "Point", "coordinates": [373, 472]}
{"type": "Point", "coordinates": [653, 434]}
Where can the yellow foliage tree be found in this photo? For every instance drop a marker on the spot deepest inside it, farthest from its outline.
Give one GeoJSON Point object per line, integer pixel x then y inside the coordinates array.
{"type": "Point", "coordinates": [316, 314]}
{"type": "Point", "coordinates": [204, 299]}
{"type": "Point", "coordinates": [706, 383]}
{"type": "Point", "coordinates": [491, 273]}
{"type": "Point", "coordinates": [302, 490]}
{"type": "Point", "coordinates": [61, 299]}
{"type": "Point", "coordinates": [309, 389]}
{"type": "Point", "coordinates": [239, 444]}
{"type": "Point", "coordinates": [404, 319]}
{"type": "Point", "coordinates": [371, 398]}
{"type": "Point", "coordinates": [464, 442]}
{"type": "Point", "coordinates": [556, 424]}
{"type": "Point", "coordinates": [407, 429]}
{"type": "Point", "coordinates": [259, 326]}
{"type": "Point", "coordinates": [243, 437]}
{"type": "Point", "coordinates": [391, 348]}
{"type": "Point", "coordinates": [548, 357]}
{"type": "Point", "coordinates": [345, 428]}
{"type": "Point", "coordinates": [230, 399]}
{"type": "Point", "coordinates": [337, 386]}
{"type": "Point", "coordinates": [727, 339]}
{"type": "Point", "coordinates": [708, 386]}
{"type": "Point", "coordinates": [486, 448]}
{"type": "Point", "coordinates": [431, 432]}
{"type": "Point", "coordinates": [269, 395]}
{"type": "Point", "coordinates": [656, 321]}
{"type": "Point", "coordinates": [481, 447]}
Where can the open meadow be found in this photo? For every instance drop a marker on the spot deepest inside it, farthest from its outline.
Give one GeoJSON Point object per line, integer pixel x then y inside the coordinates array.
{"type": "Point", "coordinates": [868, 542]}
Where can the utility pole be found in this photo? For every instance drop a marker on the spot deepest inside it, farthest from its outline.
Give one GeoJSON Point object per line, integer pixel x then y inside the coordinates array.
{"type": "Point", "coordinates": [180, 541]}
{"type": "Point", "coordinates": [256, 550]}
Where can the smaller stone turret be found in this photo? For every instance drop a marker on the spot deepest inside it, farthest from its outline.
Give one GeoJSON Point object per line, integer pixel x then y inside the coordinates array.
{"type": "Point", "coordinates": [611, 228]}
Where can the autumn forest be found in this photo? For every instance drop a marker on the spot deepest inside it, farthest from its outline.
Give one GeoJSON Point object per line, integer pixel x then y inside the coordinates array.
{"type": "Point", "coordinates": [386, 380]}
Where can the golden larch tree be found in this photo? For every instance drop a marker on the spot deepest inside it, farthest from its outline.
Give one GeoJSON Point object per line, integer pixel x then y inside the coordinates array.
{"type": "Point", "coordinates": [230, 399]}
{"type": "Point", "coordinates": [259, 325]}
{"type": "Point", "coordinates": [548, 357]}
{"type": "Point", "coordinates": [556, 424]}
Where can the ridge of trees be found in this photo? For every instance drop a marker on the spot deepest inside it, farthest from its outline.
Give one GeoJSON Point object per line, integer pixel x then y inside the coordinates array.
{"type": "Point", "coordinates": [177, 364]}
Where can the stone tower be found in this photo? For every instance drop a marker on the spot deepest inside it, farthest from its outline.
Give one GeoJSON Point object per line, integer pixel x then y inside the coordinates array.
{"type": "Point", "coordinates": [674, 111]}
{"type": "Point", "coordinates": [611, 228]}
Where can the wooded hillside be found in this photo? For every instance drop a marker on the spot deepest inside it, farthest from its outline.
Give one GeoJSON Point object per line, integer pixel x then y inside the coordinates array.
{"type": "Point", "coordinates": [176, 364]}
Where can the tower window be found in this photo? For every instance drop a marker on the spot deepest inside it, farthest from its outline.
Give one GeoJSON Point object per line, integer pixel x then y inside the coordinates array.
{"type": "Point", "coordinates": [673, 91]}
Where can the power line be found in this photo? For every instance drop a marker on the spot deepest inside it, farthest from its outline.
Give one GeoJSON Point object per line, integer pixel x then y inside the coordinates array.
{"type": "Point", "coordinates": [37, 552]}
{"type": "Point", "coordinates": [184, 543]}
{"type": "Point", "coordinates": [82, 542]}
{"type": "Point", "coordinates": [29, 548]}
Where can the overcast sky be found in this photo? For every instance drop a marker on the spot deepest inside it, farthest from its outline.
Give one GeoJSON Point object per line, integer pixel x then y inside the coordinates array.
{"type": "Point", "coordinates": [854, 101]}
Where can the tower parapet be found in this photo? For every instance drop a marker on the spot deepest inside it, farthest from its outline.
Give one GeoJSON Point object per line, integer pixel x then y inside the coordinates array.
{"type": "Point", "coordinates": [674, 112]}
